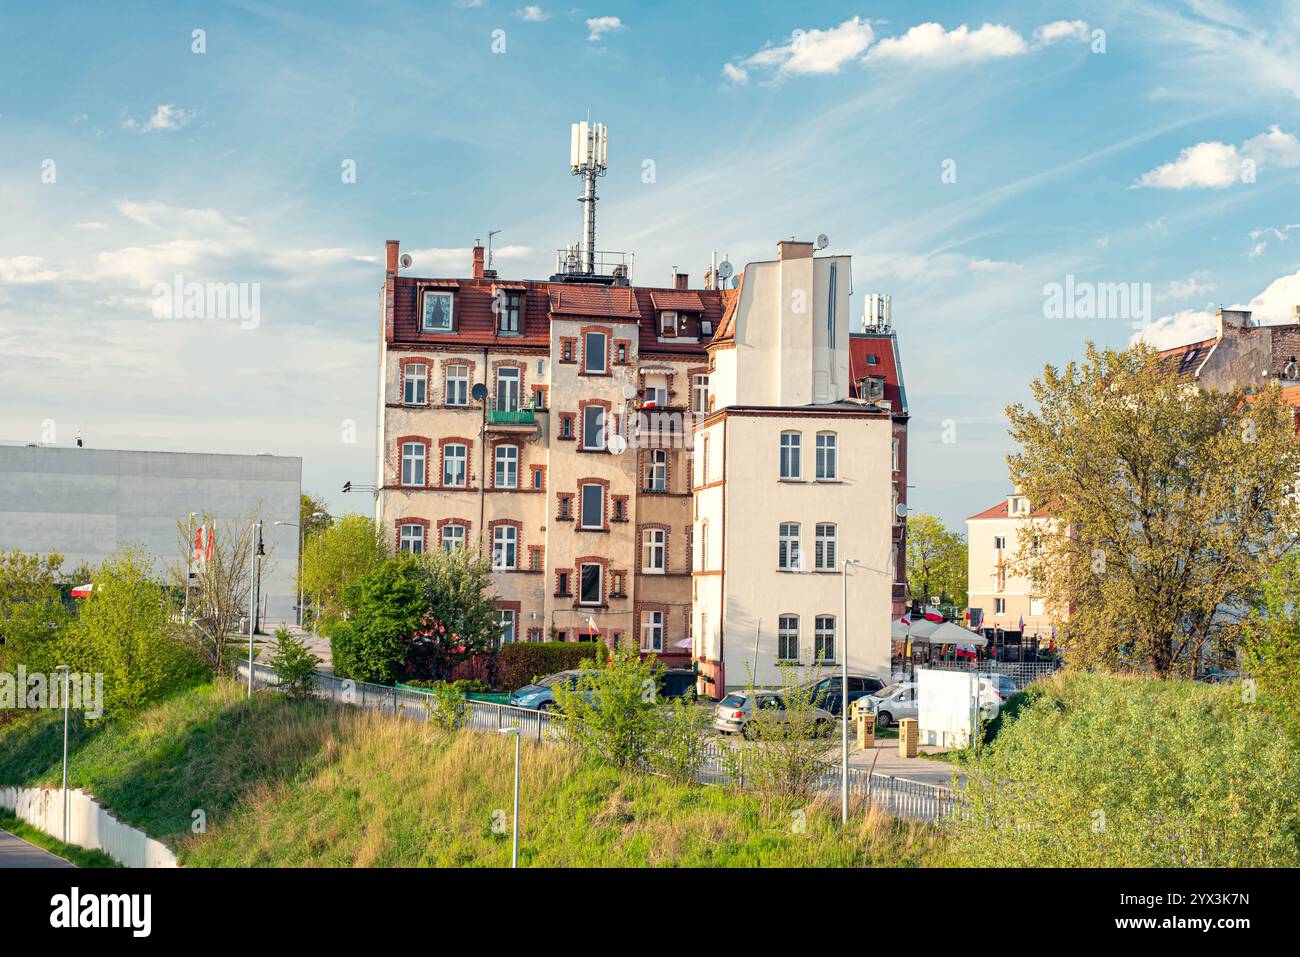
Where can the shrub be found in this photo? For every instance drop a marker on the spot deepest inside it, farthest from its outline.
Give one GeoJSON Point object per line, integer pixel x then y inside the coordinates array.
{"type": "Point", "coordinates": [385, 607]}
{"type": "Point", "coordinates": [521, 662]}
{"type": "Point", "coordinates": [790, 754]}
{"type": "Point", "coordinates": [293, 664]}
{"type": "Point", "coordinates": [462, 686]}
{"type": "Point", "coordinates": [680, 738]}
{"type": "Point", "coordinates": [610, 713]}
{"type": "Point", "coordinates": [1108, 771]}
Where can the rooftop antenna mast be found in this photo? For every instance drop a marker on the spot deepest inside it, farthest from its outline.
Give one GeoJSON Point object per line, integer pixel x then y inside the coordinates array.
{"type": "Point", "coordinates": [588, 158]}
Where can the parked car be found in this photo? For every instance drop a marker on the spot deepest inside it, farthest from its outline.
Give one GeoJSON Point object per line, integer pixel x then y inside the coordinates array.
{"type": "Point", "coordinates": [737, 711]}
{"type": "Point", "coordinates": [827, 692]}
{"type": "Point", "coordinates": [890, 704]}
{"type": "Point", "coordinates": [540, 695]}
{"type": "Point", "coordinates": [1002, 685]}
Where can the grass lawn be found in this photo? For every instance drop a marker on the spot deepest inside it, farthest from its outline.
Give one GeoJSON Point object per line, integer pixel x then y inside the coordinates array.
{"type": "Point", "coordinates": [313, 784]}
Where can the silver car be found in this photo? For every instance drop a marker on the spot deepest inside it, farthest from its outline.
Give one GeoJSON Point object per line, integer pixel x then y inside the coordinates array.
{"type": "Point", "coordinates": [890, 704]}
{"type": "Point", "coordinates": [737, 711]}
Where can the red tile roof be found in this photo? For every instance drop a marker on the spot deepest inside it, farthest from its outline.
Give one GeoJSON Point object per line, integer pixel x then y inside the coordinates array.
{"type": "Point", "coordinates": [605, 302]}
{"type": "Point", "coordinates": [1000, 510]}
{"type": "Point", "coordinates": [864, 348]}
{"type": "Point", "coordinates": [680, 300]}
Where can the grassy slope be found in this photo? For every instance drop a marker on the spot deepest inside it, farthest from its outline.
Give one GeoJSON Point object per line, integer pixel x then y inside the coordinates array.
{"type": "Point", "coordinates": [285, 783]}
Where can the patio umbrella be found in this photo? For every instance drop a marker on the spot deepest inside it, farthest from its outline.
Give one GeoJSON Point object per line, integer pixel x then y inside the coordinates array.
{"type": "Point", "coordinates": [83, 591]}
{"type": "Point", "coordinates": [946, 633]}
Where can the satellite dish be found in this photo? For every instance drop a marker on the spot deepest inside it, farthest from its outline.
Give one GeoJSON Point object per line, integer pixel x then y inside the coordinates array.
{"type": "Point", "coordinates": [629, 391]}
{"type": "Point", "coordinates": [822, 241]}
{"type": "Point", "coordinates": [900, 510]}
{"type": "Point", "coordinates": [725, 269]}
{"type": "Point", "coordinates": [479, 392]}
{"type": "Point", "coordinates": [616, 444]}
{"type": "Point", "coordinates": [405, 260]}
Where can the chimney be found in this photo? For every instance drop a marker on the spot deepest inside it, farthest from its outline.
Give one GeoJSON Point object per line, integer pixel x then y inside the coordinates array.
{"type": "Point", "coordinates": [791, 249]}
{"type": "Point", "coordinates": [681, 280]}
{"type": "Point", "coordinates": [391, 255]}
{"type": "Point", "coordinates": [478, 260]}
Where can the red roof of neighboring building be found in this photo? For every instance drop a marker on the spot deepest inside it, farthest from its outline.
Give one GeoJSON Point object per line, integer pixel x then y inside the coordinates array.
{"type": "Point", "coordinates": [873, 355]}
{"type": "Point", "coordinates": [1001, 510]}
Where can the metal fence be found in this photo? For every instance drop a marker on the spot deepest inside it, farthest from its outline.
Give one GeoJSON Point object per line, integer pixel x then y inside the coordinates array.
{"type": "Point", "coordinates": [896, 796]}
{"type": "Point", "coordinates": [1023, 673]}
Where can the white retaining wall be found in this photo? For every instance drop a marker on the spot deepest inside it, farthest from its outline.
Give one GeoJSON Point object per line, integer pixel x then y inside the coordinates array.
{"type": "Point", "coordinates": [90, 825]}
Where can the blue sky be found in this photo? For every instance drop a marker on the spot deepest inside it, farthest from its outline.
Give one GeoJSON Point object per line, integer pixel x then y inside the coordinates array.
{"type": "Point", "coordinates": [126, 158]}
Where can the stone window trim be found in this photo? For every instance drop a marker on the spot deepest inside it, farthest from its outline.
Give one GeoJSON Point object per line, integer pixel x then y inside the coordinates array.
{"type": "Point", "coordinates": [617, 583]}
{"type": "Point", "coordinates": [611, 424]}
{"type": "Point", "coordinates": [623, 352]}
{"type": "Point", "coordinates": [641, 529]}
{"type": "Point", "coordinates": [470, 367]}
{"type": "Point", "coordinates": [567, 591]}
{"type": "Point", "coordinates": [615, 515]}
{"type": "Point", "coordinates": [643, 470]}
{"type": "Point", "coordinates": [444, 522]}
{"type": "Point", "coordinates": [430, 365]}
{"type": "Point", "coordinates": [519, 465]}
{"type": "Point", "coordinates": [560, 514]}
{"type": "Point", "coordinates": [572, 433]}
{"type": "Point", "coordinates": [638, 608]}
{"type": "Point", "coordinates": [469, 461]}
{"type": "Point", "coordinates": [609, 350]}
{"type": "Point", "coordinates": [541, 397]}
{"type": "Point", "coordinates": [533, 470]}
{"type": "Point", "coordinates": [519, 542]}
{"type": "Point", "coordinates": [604, 505]}
{"type": "Point", "coordinates": [534, 635]}
{"type": "Point", "coordinates": [569, 348]}
{"type": "Point", "coordinates": [501, 604]}
{"type": "Point", "coordinates": [604, 580]}
{"type": "Point", "coordinates": [424, 440]}
{"type": "Point", "coordinates": [536, 558]}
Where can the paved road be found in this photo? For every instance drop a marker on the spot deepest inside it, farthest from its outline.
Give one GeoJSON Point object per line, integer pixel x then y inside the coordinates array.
{"type": "Point", "coordinates": [15, 852]}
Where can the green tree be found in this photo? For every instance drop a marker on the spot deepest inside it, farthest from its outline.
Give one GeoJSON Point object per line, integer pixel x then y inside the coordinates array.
{"type": "Point", "coordinates": [293, 664]}
{"type": "Point", "coordinates": [385, 607]}
{"type": "Point", "coordinates": [129, 631]}
{"type": "Point", "coordinates": [936, 560]}
{"type": "Point", "coordinates": [460, 612]}
{"type": "Point", "coordinates": [1168, 503]}
{"type": "Point", "coordinates": [32, 615]}
{"type": "Point", "coordinates": [1271, 644]}
{"type": "Point", "coordinates": [313, 516]}
{"type": "Point", "coordinates": [610, 711]}
{"type": "Point", "coordinates": [790, 754]}
{"type": "Point", "coordinates": [334, 558]}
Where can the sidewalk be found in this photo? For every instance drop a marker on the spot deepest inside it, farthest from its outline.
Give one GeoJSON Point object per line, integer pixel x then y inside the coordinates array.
{"type": "Point", "coordinates": [885, 755]}
{"type": "Point", "coordinates": [15, 852]}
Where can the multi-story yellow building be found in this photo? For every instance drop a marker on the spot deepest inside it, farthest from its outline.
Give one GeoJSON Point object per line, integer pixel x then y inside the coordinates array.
{"type": "Point", "coordinates": [1001, 597]}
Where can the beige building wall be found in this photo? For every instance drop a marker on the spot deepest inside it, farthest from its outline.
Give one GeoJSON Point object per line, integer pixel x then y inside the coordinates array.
{"type": "Point", "coordinates": [1004, 596]}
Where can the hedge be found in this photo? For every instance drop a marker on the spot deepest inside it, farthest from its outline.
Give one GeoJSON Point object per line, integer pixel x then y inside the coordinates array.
{"type": "Point", "coordinates": [521, 662]}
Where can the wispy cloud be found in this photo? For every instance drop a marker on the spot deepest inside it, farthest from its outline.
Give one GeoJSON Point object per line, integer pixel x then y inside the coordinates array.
{"type": "Point", "coordinates": [532, 14]}
{"type": "Point", "coordinates": [597, 27]}
{"type": "Point", "coordinates": [167, 116]}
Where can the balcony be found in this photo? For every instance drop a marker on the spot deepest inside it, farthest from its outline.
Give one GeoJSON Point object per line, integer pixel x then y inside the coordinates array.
{"type": "Point", "coordinates": [512, 420]}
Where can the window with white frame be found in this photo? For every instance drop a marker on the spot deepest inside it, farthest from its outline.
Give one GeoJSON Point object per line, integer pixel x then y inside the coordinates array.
{"type": "Point", "coordinates": [507, 398]}
{"type": "Point", "coordinates": [791, 454]}
{"type": "Point", "coordinates": [506, 625]}
{"type": "Point", "coordinates": [453, 537]}
{"type": "Point", "coordinates": [594, 352]}
{"type": "Point", "coordinates": [413, 456]}
{"type": "Point", "coordinates": [787, 638]}
{"type": "Point", "coordinates": [999, 606]}
{"type": "Point", "coordinates": [505, 542]}
{"type": "Point", "coordinates": [593, 506]}
{"type": "Point", "coordinates": [788, 547]}
{"type": "Point", "coordinates": [656, 392]}
{"type": "Point", "coordinates": [507, 467]}
{"type": "Point", "coordinates": [1036, 607]}
{"type": "Point", "coordinates": [652, 631]}
{"type": "Point", "coordinates": [656, 470]}
{"type": "Point", "coordinates": [827, 465]}
{"type": "Point", "coordinates": [894, 456]}
{"type": "Point", "coordinates": [700, 393]}
{"type": "Point", "coordinates": [455, 458]}
{"type": "Point", "coordinates": [457, 384]}
{"type": "Point", "coordinates": [593, 427]}
{"type": "Point", "coordinates": [824, 638]}
{"type": "Point", "coordinates": [591, 586]}
{"type": "Point", "coordinates": [437, 312]}
{"type": "Point", "coordinates": [824, 548]}
{"type": "Point", "coordinates": [411, 538]}
{"type": "Point", "coordinates": [667, 323]}
{"type": "Point", "coordinates": [415, 383]}
{"type": "Point", "coordinates": [508, 306]}
{"type": "Point", "coordinates": [999, 542]}
{"type": "Point", "coordinates": [654, 551]}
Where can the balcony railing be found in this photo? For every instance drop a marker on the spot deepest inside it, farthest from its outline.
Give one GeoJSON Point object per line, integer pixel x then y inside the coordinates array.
{"type": "Point", "coordinates": [512, 417]}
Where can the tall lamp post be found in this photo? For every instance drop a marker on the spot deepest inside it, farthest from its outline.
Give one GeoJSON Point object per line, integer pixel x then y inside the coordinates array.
{"type": "Point", "coordinates": [254, 551]}
{"type": "Point", "coordinates": [844, 699]}
{"type": "Point", "coordinates": [514, 849]}
{"type": "Point", "coordinates": [67, 681]}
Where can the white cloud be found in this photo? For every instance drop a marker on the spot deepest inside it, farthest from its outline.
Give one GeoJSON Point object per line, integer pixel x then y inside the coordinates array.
{"type": "Point", "coordinates": [929, 43]}
{"type": "Point", "coordinates": [532, 14]}
{"type": "Point", "coordinates": [1050, 33]}
{"type": "Point", "coordinates": [1180, 328]}
{"type": "Point", "coordinates": [807, 52]}
{"type": "Point", "coordinates": [994, 265]}
{"type": "Point", "coordinates": [167, 116]}
{"type": "Point", "coordinates": [597, 27]}
{"type": "Point", "coordinates": [1260, 238]}
{"type": "Point", "coordinates": [1275, 303]}
{"type": "Point", "coordinates": [25, 269]}
{"type": "Point", "coordinates": [1215, 165]}
{"type": "Point", "coordinates": [443, 261]}
{"type": "Point", "coordinates": [161, 215]}
{"type": "Point", "coordinates": [735, 73]}
{"type": "Point", "coordinates": [1186, 288]}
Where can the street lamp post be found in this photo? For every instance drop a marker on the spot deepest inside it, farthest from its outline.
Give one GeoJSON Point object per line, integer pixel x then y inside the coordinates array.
{"type": "Point", "coordinates": [514, 849]}
{"type": "Point", "coordinates": [300, 544]}
{"type": "Point", "coordinates": [67, 681]}
{"type": "Point", "coordinates": [844, 699]}
{"type": "Point", "coordinates": [255, 547]}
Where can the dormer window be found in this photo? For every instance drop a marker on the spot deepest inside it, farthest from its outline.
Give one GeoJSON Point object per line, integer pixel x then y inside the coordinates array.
{"type": "Point", "coordinates": [437, 314]}
{"type": "Point", "coordinates": [668, 324]}
{"type": "Point", "coordinates": [509, 308]}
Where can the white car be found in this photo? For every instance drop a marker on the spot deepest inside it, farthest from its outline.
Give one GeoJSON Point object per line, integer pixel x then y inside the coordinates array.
{"type": "Point", "coordinates": [895, 702]}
